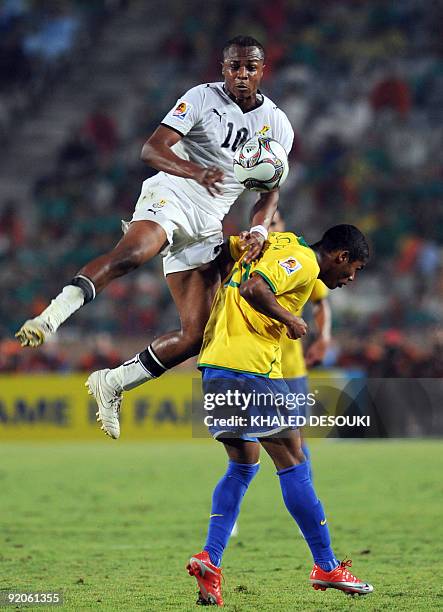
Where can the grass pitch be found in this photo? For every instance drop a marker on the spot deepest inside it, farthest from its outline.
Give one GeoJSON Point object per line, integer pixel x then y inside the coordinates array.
{"type": "Point", "coordinates": [111, 525]}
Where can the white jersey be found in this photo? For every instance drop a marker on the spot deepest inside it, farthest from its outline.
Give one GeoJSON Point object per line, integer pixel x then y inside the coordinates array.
{"type": "Point", "coordinates": [213, 126]}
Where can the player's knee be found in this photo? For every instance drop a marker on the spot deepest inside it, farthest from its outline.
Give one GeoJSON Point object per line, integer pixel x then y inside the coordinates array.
{"type": "Point", "coordinates": [290, 456]}
{"type": "Point", "coordinates": [194, 342]}
{"type": "Point", "coordinates": [193, 333]}
{"type": "Point", "coordinates": [299, 456]}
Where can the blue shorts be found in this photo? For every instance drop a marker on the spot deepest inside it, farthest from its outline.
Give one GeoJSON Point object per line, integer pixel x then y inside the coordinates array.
{"type": "Point", "coordinates": [257, 409]}
{"type": "Point", "coordinates": [296, 386]}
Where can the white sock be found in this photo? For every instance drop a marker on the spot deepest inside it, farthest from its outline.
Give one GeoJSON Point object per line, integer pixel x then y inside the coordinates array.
{"type": "Point", "coordinates": [63, 306]}
{"type": "Point", "coordinates": [129, 375]}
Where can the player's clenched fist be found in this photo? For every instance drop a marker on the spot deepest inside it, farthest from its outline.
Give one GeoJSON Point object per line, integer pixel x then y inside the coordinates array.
{"type": "Point", "coordinates": [211, 178]}
{"type": "Point", "coordinates": [296, 328]}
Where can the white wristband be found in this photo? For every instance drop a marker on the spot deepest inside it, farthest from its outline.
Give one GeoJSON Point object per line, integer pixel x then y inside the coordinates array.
{"type": "Point", "coordinates": [261, 229]}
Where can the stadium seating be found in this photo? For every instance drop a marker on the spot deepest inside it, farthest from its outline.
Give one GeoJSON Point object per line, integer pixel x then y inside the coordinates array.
{"type": "Point", "coordinates": [361, 83]}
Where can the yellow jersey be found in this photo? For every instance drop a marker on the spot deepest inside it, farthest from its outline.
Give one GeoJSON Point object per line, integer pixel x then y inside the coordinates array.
{"type": "Point", "coordinates": [292, 358]}
{"type": "Point", "coordinates": [239, 338]}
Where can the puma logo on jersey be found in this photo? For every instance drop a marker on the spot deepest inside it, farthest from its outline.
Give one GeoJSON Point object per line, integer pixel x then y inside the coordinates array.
{"type": "Point", "coordinates": [214, 110]}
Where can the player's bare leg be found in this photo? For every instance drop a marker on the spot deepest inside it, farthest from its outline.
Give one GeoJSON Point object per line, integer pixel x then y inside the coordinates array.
{"type": "Point", "coordinates": [193, 292]}
{"type": "Point", "coordinates": [242, 451]}
{"type": "Point", "coordinates": [284, 452]}
{"type": "Point", "coordinates": [142, 241]}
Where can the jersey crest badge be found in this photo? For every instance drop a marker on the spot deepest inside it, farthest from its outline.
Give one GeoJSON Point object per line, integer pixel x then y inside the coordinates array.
{"type": "Point", "coordinates": [265, 129]}
{"type": "Point", "coordinates": [181, 110]}
{"type": "Point", "coordinates": [290, 265]}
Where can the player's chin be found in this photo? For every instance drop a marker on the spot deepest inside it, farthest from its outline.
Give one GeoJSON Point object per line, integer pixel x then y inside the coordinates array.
{"type": "Point", "coordinates": [334, 284]}
{"type": "Point", "coordinates": [330, 284]}
{"type": "Point", "coordinates": [241, 93]}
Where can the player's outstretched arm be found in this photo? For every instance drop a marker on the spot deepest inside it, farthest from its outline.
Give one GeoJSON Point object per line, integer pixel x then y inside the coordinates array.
{"type": "Point", "coordinates": [259, 295]}
{"type": "Point", "coordinates": [261, 218]}
{"type": "Point", "coordinates": [322, 317]}
{"type": "Point", "coordinates": [157, 153]}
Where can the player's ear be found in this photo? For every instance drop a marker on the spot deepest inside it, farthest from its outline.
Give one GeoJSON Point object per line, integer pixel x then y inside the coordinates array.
{"type": "Point", "coordinates": [343, 256]}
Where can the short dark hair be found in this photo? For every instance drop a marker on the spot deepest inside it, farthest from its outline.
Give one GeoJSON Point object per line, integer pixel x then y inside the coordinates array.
{"type": "Point", "coordinates": [244, 41]}
{"type": "Point", "coordinates": [345, 237]}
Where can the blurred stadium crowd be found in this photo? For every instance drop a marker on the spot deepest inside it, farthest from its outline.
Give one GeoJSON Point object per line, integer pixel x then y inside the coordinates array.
{"type": "Point", "coordinates": [39, 41]}
{"type": "Point", "coordinates": [362, 84]}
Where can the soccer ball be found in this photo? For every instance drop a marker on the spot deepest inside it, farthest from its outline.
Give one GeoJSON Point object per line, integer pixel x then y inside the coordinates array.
{"type": "Point", "coordinates": [261, 164]}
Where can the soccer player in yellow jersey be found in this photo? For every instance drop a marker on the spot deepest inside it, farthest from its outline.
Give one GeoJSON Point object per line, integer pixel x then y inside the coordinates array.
{"type": "Point", "coordinates": [247, 398]}
{"type": "Point", "coordinates": [294, 363]}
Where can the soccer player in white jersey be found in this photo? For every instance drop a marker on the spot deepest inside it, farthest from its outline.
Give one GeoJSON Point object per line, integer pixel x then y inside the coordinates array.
{"type": "Point", "coordinates": [179, 215]}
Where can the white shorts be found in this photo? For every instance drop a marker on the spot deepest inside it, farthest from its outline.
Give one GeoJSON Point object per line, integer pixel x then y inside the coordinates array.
{"type": "Point", "coordinates": [194, 236]}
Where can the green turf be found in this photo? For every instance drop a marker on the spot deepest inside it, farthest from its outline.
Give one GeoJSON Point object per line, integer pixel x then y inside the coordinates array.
{"type": "Point", "coordinates": [112, 524]}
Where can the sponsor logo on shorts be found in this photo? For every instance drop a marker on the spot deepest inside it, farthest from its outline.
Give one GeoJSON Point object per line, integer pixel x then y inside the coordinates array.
{"type": "Point", "coordinates": [157, 206]}
{"type": "Point", "coordinates": [181, 110]}
{"type": "Point", "coordinates": [291, 265]}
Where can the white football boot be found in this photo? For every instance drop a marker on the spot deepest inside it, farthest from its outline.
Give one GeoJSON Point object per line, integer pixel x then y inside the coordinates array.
{"type": "Point", "coordinates": [108, 402]}
{"type": "Point", "coordinates": [34, 332]}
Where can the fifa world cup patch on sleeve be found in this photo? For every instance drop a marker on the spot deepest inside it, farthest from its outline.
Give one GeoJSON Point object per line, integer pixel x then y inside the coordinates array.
{"type": "Point", "coordinates": [290, 265]}
{"type": "Point", "coordinates": [181, 110]}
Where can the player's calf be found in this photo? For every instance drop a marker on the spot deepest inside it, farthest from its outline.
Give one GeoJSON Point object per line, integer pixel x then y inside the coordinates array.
{"type": "Point", "coordinates": [34, 332]}
{"type": "Point", "coordinates": [142, 241]}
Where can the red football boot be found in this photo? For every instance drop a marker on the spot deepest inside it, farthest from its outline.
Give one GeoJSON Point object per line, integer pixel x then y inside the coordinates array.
{"type": "Point", "coordinates": [208, 577]}
{"type": "Point", "coordinates": [340, 578]}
